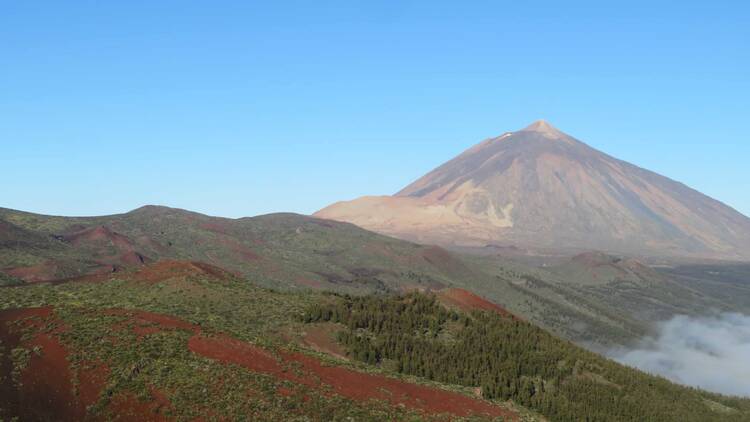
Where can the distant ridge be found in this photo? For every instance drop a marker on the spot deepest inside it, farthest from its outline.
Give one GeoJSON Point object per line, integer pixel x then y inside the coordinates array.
{"type": "Point", "coordinates": [541, 188]}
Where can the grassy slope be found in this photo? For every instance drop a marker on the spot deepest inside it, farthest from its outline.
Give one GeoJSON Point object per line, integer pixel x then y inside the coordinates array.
{"type": "Point", "coordinates": [149, 366]}
{"type": "Point", "coordinates": [614, 308]}
{"type": "Point", "coordinates": [159, 363]}
{"type": "Point", "coordinates": [293, 252]}
{"type": "Point", "coordinates": [415, 335]}
{"type": "Point", "coordinates": [6, 280]}
{"type": "Point", "coordinates": [281, 250]}
{"type": "Point", "coordinates": [728, 283]}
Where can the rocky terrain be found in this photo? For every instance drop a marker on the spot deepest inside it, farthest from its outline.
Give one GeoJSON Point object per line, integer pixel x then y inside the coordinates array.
{"type": "Point", "coordinates": [542, 189]}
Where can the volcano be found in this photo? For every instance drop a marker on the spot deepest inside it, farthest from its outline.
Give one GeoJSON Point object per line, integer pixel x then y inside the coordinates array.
{"type": "Point", "coordinates": [541, 188]}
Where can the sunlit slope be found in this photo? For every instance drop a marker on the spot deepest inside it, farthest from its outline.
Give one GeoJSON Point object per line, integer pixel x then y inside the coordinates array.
{"type": "Point", "coordinates": [540, 188]}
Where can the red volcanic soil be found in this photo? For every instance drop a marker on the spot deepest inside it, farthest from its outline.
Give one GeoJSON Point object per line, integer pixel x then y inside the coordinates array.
{"type": "Point", "coordinates": [157, 272]}
{"type": "Point", "coordinates": [443, 260]}
{"type": "Point", "coordinates": [101, 240]}
{"type": "Point", "coordinates": [320, 337]}
{"type": "Point", "coordinates": [229, 350]}
{"type": "Point", "coordinates": [46, 390]}
{"type": "Point", "coordinates": [167, 269]}
{"type": "Point", "coordinates": [435, 256]}
{"type": "Point", "coordinates": [92, 378]}
{"type": "Point", "coordinates": [45, 271]}
{"type": "Point", "coordinates": [130, 259]}
{"type": "Point", "coordinates": [42, 395]}
{"type": "Point", "coordinates": [5, 229]}
{"type": "Point", "coordinates": [308, 282]}
{"type": "Point", "coordinates": [219, 227]}
{"type": "Point", "coordinates": [468, 301]}
{"type": "Point", "coordinates": [102, 237]}
{"type": "Point", "coordinates": [240, 250]}
{"type": "Point", "coordinates": [352, 384]}
{"type": "Point", "coordinates": [97, 235]}
{"type": "Point", "coordinates": [597, 259]}
{"type": "Point", "coordinates": [142, 319]}
{"type": "Point", "coordinates": [127, 407]}
{"type": "Point", "coordinates": [362, 386]}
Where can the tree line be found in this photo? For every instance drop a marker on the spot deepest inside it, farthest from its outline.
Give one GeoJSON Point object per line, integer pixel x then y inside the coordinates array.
{"type": "Point", "coordinates": [510, 359]}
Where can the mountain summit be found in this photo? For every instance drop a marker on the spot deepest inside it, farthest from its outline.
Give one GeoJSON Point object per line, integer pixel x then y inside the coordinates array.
{"type": "Point", "coordinates": [541, 188]}
{"type": "Point", "coordinates": [542, 126]}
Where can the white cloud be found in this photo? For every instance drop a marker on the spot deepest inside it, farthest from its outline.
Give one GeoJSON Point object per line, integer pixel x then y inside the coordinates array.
{"type": "Point", "coordinates": [712, 353]}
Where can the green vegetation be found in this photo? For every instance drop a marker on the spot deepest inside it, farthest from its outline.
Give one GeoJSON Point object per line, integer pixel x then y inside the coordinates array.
{"type": "Point", "coordinates": [20, 357]}
{"type": "Point", "coordinates": [412, 335]}
{"type": "Point", "coordinates": [234, 307]}
{"type": "Point", "coordinates": [725, 283]}
{"type": "Point", "coordinates": [197, 386]}
{"type": "Point", "coordinates": [284, 251]}
{"type": "Point", "coordinates": [160, 362]}
{"type": "Point", "coordinates": [297, 253]}
{"type": "Point", "coordinates": [512, 359]}
{"type": "Point", "coordinates": [6, 280]}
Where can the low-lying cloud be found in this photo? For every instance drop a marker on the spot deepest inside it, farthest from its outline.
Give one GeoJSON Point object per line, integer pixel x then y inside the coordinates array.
{"type": "Point", "coordinates": [712, 353]}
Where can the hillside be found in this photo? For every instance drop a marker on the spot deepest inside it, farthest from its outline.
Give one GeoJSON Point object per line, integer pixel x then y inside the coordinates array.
{"type": "Point", "coordinates": [542, 189]}
{"type": "Point", "coordinates": [298, 253]}
{"type": "Point", "coordinates": [289, 252]}
{"type": "Point", "coordinates": [179, 340]}
{"type": "Point", "coordinates": [510, 359]}
{"type": "Point", "coordinates": [281, 250]}
{"type": "Point", "coordinates": [596, 268]}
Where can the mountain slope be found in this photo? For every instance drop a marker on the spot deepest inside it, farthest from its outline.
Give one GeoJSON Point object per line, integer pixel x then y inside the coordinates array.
{"type": "Point", "coordinates": [509, 359]}
{"type": "Point", "coordinates": [596, 268]}
{"type": "Point", "coordinates": [179, 341]}
{"type": "Point", "coordinates": [541, 188]}
{"type": "Point", "coordinates": [281, 250]}
{"type": "Point", "coordinates": [292, 252]}
{"type": "Point", "coordinates": [175, 340]}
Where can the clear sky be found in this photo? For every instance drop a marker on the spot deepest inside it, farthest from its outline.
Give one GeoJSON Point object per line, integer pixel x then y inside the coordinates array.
{"type": "Point", "coordinates": [242, 108]}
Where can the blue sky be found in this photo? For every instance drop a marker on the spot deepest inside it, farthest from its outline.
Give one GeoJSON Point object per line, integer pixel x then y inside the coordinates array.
{"type": "Point", "coordinates": [243, 108]}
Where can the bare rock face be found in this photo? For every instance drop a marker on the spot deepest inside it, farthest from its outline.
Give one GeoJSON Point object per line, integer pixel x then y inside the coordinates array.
{"type": "Point", "coordinates": [541, 188]}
